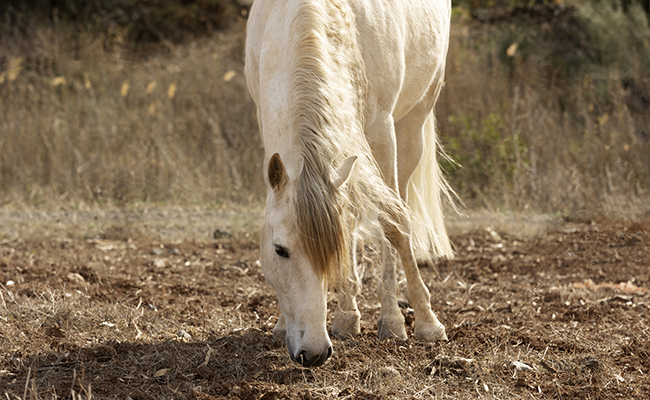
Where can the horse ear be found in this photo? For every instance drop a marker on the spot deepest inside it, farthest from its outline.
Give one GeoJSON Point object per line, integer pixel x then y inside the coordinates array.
{"type": "Point", "coordinates": [343, 172]}
{"type": "Point", "coordinates": [277, 172]}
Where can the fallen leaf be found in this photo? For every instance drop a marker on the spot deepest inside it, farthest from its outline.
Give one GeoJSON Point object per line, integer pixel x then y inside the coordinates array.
{"type": "Point", "coordinates": [59, 80]}
{"type": "Point", "coordinates": [229, 75]}
{"type": "Point", "coordinates": [160, 372]}
{"type": "Point", "coordinates": [151, 86]}
{"type": "Point", "coordinates": [171, 92]}
{"type": "Point", "coordinates": [124, 90]}
{"type": "Point", "coordinates": [14, 68]}
{"type": "Point", "coordinates": [512, 49]}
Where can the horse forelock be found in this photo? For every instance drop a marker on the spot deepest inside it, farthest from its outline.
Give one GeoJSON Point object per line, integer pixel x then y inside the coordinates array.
{"type": "Point", "coordinates": [321, 222]}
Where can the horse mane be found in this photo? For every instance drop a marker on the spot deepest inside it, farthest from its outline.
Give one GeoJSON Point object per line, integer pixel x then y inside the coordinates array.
{"type": "Point", "coordinates": [328, 91]}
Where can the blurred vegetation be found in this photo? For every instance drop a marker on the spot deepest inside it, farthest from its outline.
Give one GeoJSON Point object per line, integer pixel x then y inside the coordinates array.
{"type": "Point", "coordinates": [546, 107]}
{"type": "Point", "coordinates": [128, 22]}
{"type": "Point", "coordinates": [93, 108]}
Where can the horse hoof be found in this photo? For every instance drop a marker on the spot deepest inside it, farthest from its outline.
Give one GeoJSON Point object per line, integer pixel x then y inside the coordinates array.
{"type": "Point", "coordinates": [387, 329]}
{"type": "Point", "coordinates": [346, 325]}
{"type": "Point", "coordinates": [431, 335]}
{"type": "Point", "coordinates": [346, 332]}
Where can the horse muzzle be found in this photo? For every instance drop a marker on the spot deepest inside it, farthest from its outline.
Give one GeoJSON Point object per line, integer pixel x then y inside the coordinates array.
{"type": "Point", "coordinates": [310, 357]}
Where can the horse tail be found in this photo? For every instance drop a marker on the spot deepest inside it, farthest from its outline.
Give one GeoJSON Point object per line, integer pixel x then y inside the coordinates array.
{"type": "Point", "coordinates": [426, 189]}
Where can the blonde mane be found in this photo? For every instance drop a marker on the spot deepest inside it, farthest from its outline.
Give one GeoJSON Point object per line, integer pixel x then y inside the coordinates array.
{"type": "Point", "coordinates": [328, 93]}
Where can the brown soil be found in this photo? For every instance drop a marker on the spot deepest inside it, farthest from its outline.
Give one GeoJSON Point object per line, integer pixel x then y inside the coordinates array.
{"type": "Point", "coordinates": [561, 315]}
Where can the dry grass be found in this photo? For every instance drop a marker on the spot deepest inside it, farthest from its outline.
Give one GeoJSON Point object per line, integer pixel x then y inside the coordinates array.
{"type": "Point", "coordinates": [114, 319]}
{"type": "Point", "coordinates": [543, 115]}
{"type": "Point", "coordinates": [93, 312]}
{"type": "Point", "coordinates": [81, 121]}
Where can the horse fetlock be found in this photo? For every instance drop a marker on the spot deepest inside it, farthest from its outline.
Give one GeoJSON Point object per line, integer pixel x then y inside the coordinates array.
{"type": "Point", "coordinates": [346, 323]}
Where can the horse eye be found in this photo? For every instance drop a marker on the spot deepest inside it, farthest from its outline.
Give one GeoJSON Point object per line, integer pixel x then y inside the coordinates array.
{"type": "Point", "coordinates": [281, 251]}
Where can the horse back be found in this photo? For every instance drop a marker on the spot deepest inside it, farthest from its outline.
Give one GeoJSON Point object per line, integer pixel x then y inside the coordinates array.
{"type": "Point", "coordinates": [403, 45]}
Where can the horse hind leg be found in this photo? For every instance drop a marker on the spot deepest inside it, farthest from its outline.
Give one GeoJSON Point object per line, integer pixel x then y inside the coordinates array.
{"type": "Point", "coordinates": [427, 326]}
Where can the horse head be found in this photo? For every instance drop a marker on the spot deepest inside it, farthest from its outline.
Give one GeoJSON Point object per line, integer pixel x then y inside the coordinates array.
{"type": "Point", "coordinates": [291, 254]}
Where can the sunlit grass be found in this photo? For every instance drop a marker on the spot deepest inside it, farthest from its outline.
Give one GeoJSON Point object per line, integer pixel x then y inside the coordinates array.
{"type": "Point", "coordinates": [84, 122]}
{"type": "Point", "coordinates": [535, 124]}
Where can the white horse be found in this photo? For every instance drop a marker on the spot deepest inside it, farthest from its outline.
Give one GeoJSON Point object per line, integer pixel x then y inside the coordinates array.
{"type": "Point", "coordinates": [345, 91]}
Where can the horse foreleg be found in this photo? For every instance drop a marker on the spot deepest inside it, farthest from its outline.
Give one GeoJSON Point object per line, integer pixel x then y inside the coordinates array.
{"type": "Point", "coordinates": [427, 326]}
{"type": "Point", "coordinates": [347, 318]}
{"type": "Point", "coordinates": [391, 320]}
{"type": "Point", "coordinates": [381, 137]}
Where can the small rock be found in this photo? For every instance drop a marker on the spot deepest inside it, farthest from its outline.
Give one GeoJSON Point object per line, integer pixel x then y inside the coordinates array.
{"type": "Point", "coordinates": [219, 234]}
{"type": "Point", "coordinates": [161, 372]}
{"type": "Point", "coordinates": [184, 336]}
{"type": "Point", "coordinates": [74, 277]}
{"type": "Point", "coordinates": [157, 251]}
{"type": "Point", "coordinates": [388, 373]}
{"type": "Point", "coordinates": [175, 251]}
{"type": "Point", "coordinates": [521, 366]}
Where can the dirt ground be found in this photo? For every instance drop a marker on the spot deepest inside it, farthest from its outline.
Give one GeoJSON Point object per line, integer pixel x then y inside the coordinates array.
{"type": "Point", "coordinates": [120, 312]}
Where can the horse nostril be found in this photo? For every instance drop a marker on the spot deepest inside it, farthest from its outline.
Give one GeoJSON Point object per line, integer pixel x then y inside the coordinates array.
{"type": "Point", "coordinates": [302, 358]}
{"type": "Point", "coordinates": [315, 360]}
